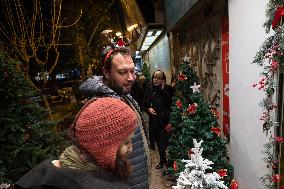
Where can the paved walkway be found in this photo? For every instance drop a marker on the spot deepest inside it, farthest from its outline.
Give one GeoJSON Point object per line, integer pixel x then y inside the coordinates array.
{"type": "Point", "coordinates": [158, 181]}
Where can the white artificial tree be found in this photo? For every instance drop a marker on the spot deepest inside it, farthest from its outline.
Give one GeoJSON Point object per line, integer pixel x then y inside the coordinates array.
{"type": "Point", "coordinates": [194, 175]}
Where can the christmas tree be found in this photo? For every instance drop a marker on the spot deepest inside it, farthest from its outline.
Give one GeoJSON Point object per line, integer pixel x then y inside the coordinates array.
{"type": "Point", "coordinates": [146, 72]}
{"type": "Point", "coordinates": [194, 176]}
{"type": "Point", "coordinates": [193, 118]}
{"type": "Point", "coordinates": [27, 137]}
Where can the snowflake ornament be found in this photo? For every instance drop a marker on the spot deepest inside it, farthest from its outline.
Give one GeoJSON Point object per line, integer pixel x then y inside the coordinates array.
{"type": "Point", "coordinates": [194, 176]}
{"type": "Point", "coordinates": [195, 88]}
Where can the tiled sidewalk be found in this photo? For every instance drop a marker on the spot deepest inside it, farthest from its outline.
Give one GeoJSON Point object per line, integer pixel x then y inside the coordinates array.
{"type": "Point", "coordinates": [158, 181]}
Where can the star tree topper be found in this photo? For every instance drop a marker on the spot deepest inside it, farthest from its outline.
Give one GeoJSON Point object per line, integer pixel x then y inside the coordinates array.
{"type": "Point", "coordinates": [195, 88]}
{"type": "Point", "coordinates": [186, 58]}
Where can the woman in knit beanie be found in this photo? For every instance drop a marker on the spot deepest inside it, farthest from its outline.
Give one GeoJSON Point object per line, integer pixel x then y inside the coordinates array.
{"type": "Point", "coordinates": [101, 138]}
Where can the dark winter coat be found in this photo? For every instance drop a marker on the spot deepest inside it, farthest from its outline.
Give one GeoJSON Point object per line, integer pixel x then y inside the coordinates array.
{"type": "Point", "coordinates": [47, 176]}
{"type": "Point", "coordinates": [160, 100]}
{"type": "Point", "coordinates": [137, 93]}
{"type": "Point", "coordinates": [139, 157]}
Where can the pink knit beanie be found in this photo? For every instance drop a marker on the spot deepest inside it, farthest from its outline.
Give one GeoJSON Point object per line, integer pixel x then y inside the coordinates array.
{"type": "Point", "coordinates": [101, 126]}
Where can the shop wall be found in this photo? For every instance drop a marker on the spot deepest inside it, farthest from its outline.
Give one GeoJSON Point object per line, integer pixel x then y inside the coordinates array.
{"type": "Point", "coordinates": [202, 43]}
{"type": "Point", "coordinates": [175, 10]}
{"type": "Point", "coordinates": [247, 138]}
{"type": "Point", "coordinates": [159, 57]}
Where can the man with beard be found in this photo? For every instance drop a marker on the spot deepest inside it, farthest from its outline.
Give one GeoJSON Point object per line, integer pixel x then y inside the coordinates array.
{"type": "Point", "coordinates": [117, 80]}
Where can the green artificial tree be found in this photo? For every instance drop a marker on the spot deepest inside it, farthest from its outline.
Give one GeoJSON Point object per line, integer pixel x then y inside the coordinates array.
{"type": "Point", "coordinates": [193, 118]}
{"type": "Point", "coordinates": [27, 137]}
{"type": "Point", "coordinates": [146, 72]}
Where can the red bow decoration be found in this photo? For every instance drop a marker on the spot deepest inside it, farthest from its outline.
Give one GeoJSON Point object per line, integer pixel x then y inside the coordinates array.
{"type": "Point", "coordinates": [192, 108]}
{"type": "Point", "coordinates": [222, 172]}
{"type": "Point", "coordinates": [234, 184]}
{"type": "Point", "coordinates": [179, 104]}
{"type": "Point", "coordinates": [216, 130]}
{"type": "Point", "coordinates": [277, 16]}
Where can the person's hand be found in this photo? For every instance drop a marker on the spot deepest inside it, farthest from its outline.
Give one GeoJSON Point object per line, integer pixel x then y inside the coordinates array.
{"type": "Point", "coordinates": [152, 111]}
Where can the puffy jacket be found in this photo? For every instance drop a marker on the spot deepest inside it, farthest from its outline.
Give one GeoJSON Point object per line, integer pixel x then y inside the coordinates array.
{"type": "Point", "coordinates": [46, 175]}
{"type": "Point", "coordinates": [139, 157]}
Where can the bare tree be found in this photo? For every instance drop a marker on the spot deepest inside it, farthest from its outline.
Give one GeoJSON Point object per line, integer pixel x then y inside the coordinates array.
{"type": "Point", "coordinates": [30, 32]}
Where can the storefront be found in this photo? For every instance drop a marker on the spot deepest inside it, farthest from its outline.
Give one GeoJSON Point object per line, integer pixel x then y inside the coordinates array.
{"type": "Point", "coordinates": [155, 50]}
{"type": "Point", "coordinates": [202, 35]}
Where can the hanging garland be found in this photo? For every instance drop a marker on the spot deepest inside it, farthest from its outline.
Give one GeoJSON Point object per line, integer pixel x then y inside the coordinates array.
{"type": "Point", "coordinates": [271, 58]}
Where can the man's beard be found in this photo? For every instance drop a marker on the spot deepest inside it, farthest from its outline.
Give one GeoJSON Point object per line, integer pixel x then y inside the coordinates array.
{"type": "Point", "coordinates": [118, 89]}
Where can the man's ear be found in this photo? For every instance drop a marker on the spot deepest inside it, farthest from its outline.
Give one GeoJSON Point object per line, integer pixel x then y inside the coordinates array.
{"type": "Point", "coordinates": [106, 73]}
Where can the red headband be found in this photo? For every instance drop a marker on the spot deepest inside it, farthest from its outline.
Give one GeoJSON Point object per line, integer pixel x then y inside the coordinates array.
{"type": "Point", "coordinates": [108, 55]}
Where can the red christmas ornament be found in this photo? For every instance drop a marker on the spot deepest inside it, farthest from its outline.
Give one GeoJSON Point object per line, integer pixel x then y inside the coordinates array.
{"type": "Point", "coordinates": [192, 108]}
{"type": "Point", "coordinates": [216, 130]}
{"type": "Point", "coordinates": [179, 104]}
{"type": "Point", "coordinates": [222, 172]}
{"type": "Point", "coordinates": [234, 184]}
{"type": "Point", "coordinates": [168, 128]}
